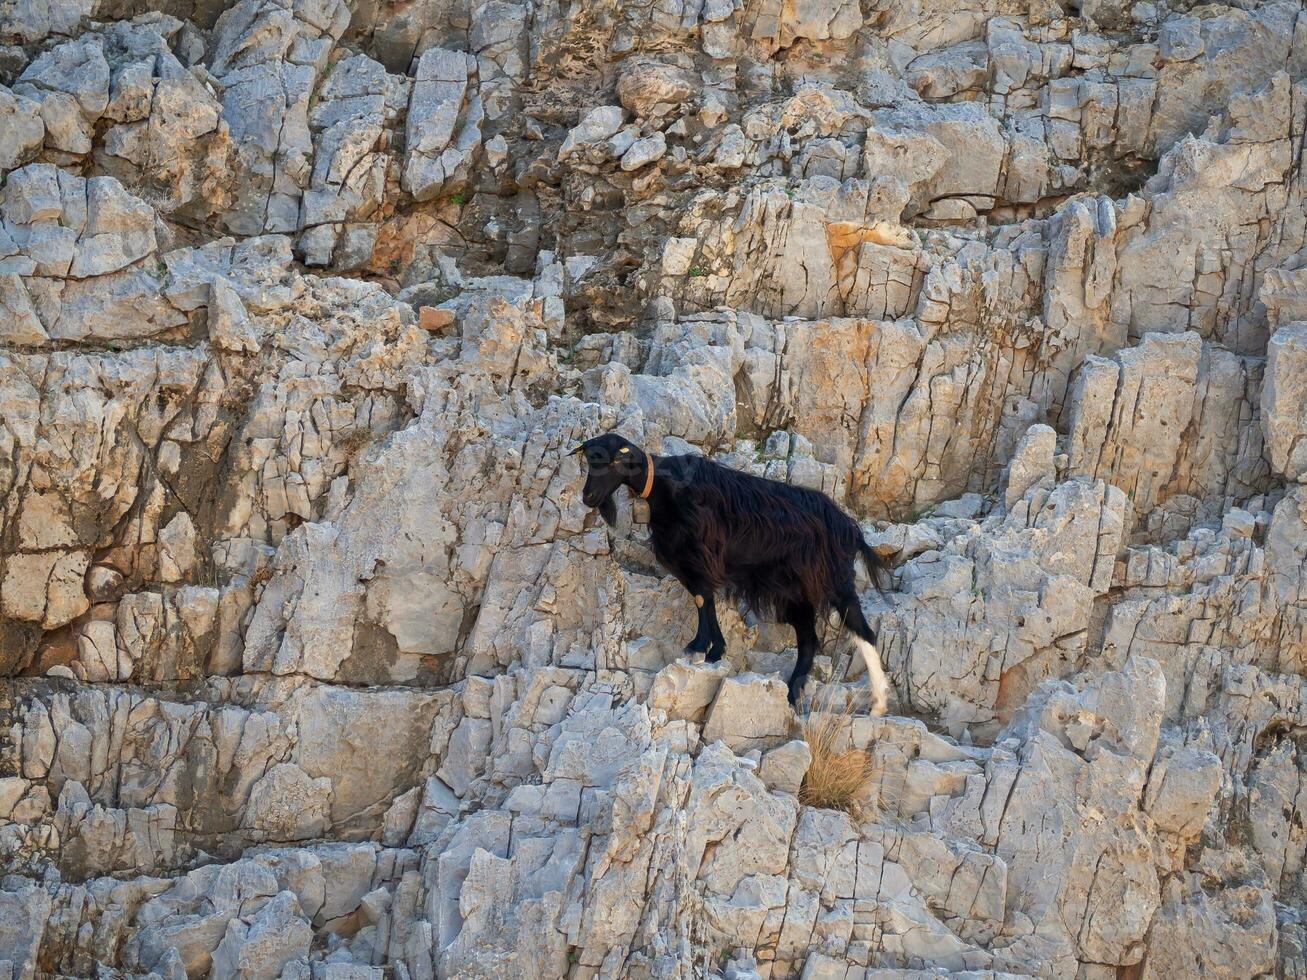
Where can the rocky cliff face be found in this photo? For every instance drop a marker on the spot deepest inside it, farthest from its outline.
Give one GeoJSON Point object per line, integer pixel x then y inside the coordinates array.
{"type": "Point", "coordinates": [318, 667]}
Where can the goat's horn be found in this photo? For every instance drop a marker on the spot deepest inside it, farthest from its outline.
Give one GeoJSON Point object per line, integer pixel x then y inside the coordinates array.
{"type": "Point", "coordinates": [576, 450]}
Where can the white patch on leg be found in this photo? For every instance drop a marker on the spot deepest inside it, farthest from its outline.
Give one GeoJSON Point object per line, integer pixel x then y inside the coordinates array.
{"type": "Point", "coordinates": [875, 676]}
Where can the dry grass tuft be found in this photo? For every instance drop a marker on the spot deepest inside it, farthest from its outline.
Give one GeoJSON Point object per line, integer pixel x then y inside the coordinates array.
{"type": "Point", "coordinates": [262, 575]}
{"type": "Point", "coordinates": [838, 777]}
{"type": "Point", "coordinates": [352, 442]}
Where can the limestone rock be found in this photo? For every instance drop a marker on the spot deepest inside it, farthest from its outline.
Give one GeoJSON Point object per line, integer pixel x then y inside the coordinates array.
{"type": "Point", "coordinates": [644, 151]}
{"type": "Point", "coordinates": [274, 936]}
{"type": "Point", "coordinates": [784, 767]}
{"type": "Point", "coordinates": [595, 126]}
{"type": "Point", "coordinates": [288, 805]}
{"type": "Point", "coordinates": [166, 139]}
{"type": "Point", "coordinates": [1182, 785]}
{"type": "Point", "coordinates": [648, 88]}
{"type": "Point", "coordinates": [24, 909]}
{"type": "Point", "coordinates": [267, 58]}
{"type": "Point", "coordinates": [1032, 462]}
{"type": "Point", "coordinates": [83, 253]}
{"type": "Point", "coordinates": [730, 806]}
{"type": "Point", "coordinates": [1037, 568]}
{"type": "Point", "coordinates": [319, 667]}
{"type": "Point", "coordinates": [229, 322]}
{"type": "Point", "coordinates": [1283, 405]}
{"type": "Point", "coordinates": [749, 712]}
{"type": "Point", "coordinates": [348, 181]}
{"type": "Point", "coordinates": [685, 690]}
{"type": "Point", "coordinates": [21, 130]}
{"type": "Point", "coordinates": [444, 119]}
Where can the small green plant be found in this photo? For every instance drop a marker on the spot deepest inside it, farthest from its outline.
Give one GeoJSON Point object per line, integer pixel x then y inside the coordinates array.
{"type": "Point", "coordinates": [918, 514]}
{"type": "Point", "coordinates": [697, 271]}
{"type": "Point", "coordinates": [458, 199]}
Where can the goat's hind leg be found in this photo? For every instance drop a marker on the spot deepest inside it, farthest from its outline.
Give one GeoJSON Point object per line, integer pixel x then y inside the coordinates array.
{"type": "Point", "coordinates": [804, 620]}
{"type": "Point", "coordinates": [864, 639]}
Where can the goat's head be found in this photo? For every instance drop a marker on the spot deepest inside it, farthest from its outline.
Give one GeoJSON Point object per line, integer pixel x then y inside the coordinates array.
{"type": "Point", "coordinates": [611, 461]}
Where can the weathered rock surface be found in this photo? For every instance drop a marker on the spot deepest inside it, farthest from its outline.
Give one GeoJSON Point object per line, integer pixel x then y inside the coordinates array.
{"type": "Point", "coordinates": [318, 668]}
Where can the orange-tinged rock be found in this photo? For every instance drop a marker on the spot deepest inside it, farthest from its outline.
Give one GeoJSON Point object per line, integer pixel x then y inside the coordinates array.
{"type": "Point", "coordinates": [433, 318]}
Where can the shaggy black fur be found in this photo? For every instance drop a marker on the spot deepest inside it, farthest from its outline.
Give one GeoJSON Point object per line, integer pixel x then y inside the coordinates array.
{"type": "Point", "coordinates": [787, 551]}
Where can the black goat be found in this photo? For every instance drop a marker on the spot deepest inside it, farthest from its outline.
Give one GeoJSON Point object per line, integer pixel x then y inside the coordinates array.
{"type": "Point", "coordinates": [785, 550]}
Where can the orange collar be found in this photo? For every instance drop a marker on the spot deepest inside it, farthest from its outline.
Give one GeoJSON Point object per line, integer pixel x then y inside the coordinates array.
{"type": "Point", "coordinates": [648, 480]}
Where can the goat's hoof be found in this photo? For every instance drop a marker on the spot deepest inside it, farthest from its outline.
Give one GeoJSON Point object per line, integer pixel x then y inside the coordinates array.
{"type": "Point", "coordinates": [714, 655]}
{"type": "Point", "coordinates": [879, 708]}
{"type": "Point", "coordinates": [795, 692]}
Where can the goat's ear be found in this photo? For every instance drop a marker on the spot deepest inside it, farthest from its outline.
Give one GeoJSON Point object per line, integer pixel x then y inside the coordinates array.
{"type": "Point", "coordinates": [608, 511]}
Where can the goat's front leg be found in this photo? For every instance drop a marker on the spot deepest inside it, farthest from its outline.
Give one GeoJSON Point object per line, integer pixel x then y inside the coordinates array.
{"type": "Point", "coordinates": [708, 637]}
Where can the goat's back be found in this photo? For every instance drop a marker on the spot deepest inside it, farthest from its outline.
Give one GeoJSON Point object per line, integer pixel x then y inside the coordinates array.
{"type": "Point", "coordinates": [767, 541]}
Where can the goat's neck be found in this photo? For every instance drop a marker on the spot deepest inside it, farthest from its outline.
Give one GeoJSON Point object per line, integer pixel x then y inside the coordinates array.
{"type": "Point", "coordinates": [659, 496]}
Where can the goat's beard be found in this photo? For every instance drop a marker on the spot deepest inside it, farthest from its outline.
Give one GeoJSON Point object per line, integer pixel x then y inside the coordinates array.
{"type": "Point", "coordinates": [608, 511]}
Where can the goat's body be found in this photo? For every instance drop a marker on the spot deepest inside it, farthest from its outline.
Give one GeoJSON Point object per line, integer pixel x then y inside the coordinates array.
{"type": "Point", "coordinates": [768, 543]}
{"type": "Point", "coordinates": [787, 551]}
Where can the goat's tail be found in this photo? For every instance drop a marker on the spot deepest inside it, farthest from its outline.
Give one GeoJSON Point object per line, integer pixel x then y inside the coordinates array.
{"type": "Point", "coordinates": [877, 570]}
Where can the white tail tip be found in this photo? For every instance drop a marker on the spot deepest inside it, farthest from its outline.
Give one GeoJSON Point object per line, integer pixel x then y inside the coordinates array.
{"type": "Point", "coordinates": [875, 676]}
